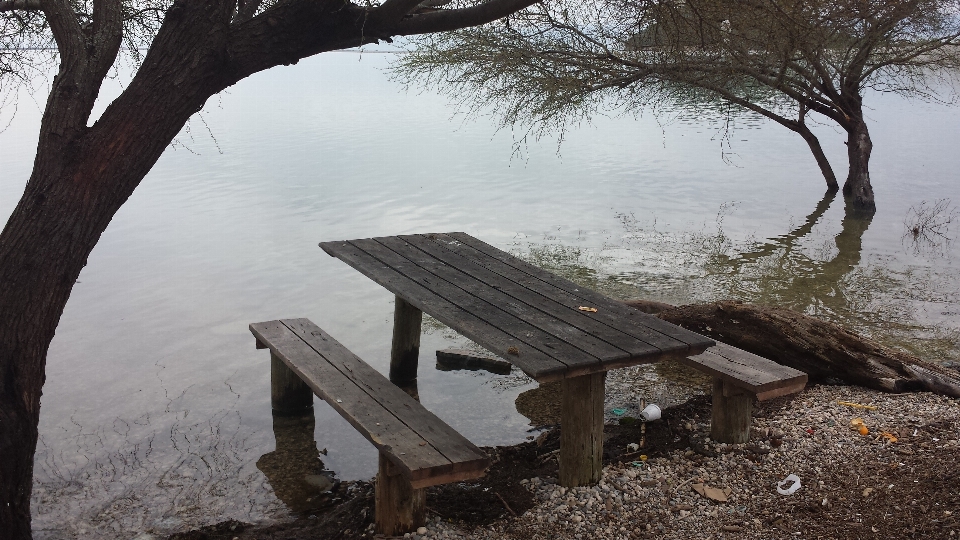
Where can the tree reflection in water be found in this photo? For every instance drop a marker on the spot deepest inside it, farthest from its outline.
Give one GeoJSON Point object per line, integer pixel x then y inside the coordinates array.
{"type": "Point", "coordinates": [780, 272]}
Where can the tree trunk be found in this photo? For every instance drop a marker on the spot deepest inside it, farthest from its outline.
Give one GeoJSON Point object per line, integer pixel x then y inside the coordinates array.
{"type": "Point", "coordinates": [857, 188]}
{"type": "Point", "coordinates": [83, 174]}
{"type": "Point", "coordinates": [823, 350]}
{"type": "Point", "coordinates": [814, 143]}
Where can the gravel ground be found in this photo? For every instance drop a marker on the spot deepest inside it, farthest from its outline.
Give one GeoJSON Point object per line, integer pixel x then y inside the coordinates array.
{"type": "Point", "coordinates": [853, 485]}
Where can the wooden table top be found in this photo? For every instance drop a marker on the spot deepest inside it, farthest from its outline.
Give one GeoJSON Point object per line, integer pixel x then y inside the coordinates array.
{"type": "Point", "coordinates": [549, 327]}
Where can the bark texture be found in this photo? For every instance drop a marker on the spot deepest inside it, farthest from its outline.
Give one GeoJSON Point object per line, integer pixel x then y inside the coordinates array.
{"type": "Point", "coordinates": [823, 350]}
{"type": "Point", "coordinates": [857, 188]}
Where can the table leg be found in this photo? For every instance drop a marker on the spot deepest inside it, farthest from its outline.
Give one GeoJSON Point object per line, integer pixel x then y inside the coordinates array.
{"type": "Point", "coordinates": [398, 508]}
{"type": "Point", "coordinates": [581, 430]}
{"type": "Point", "coordinates": [732, 413]}
{"type": "Point", "coordinates": [289, 395]}
{"type": "Point", "coordinates": [406, 343]}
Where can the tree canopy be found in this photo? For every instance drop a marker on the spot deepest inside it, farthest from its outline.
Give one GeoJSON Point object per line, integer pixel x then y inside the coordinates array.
{"type": "Point", "coordinates": [785, 60]}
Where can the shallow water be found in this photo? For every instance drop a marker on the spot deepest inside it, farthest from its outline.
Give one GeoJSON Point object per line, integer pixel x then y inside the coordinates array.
{"type": "Point", "coordinates": [156, 407]}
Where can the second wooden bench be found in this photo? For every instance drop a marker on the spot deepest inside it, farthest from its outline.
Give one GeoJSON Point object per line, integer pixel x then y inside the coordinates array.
{"type": "Point", "coordinates": [739, 377]}
{"type": "Point", "coordinates": [417, 449]}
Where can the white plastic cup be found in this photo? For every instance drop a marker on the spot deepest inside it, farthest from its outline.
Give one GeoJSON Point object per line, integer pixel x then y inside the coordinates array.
{"type": "Point", "coordinates": [650, 413]}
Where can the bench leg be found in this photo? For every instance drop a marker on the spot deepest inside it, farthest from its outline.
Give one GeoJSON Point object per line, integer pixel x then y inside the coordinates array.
{"type": "Point", "coordinates": [581, 430]}
{"type": "Point", "coordinates": [289, 395]}
{"type": "Point", "coordinates": [399, 508]}
{"type": "Point", "coordinates": [732, 413]}
{"type": "Point", "coordinates": [406, 343]}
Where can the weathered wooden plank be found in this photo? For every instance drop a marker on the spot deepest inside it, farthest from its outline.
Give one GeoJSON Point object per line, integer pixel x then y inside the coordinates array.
{"type": "Point", "coordinates": [647, 328]}
{"type": "Point", "coordinates": [490, 293]}
{"type": "Point", "coordinates": [540, 366]}
{"type": "Point", "coordinates": [746, 370]}
{"type": "Point", "coordinates": [567, 313]}
{"type": "Point", "coordinates": [454, 359]}
{"type": "Point", "coordinates": [533, 337]}
{"type": "Point", "coordinates": [784, 375]}
{"type": "Point", "coordinates": [377, 425]}
{"type": "Point", "coordinates": [463, 455]}
{"type": "Point", "coordinates": [611, 307]}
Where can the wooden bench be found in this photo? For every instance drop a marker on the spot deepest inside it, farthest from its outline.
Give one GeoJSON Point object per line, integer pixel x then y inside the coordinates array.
{"type": "Point", "coordinates": [739, 377]}
{"type": "Point", "coordinates": [417, 449]}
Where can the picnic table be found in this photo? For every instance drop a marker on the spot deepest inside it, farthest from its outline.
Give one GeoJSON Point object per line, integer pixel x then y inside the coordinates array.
{"type": "Point", "coordinates": [547, 326]}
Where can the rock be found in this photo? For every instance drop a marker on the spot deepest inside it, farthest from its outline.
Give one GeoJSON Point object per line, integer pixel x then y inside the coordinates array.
{"type": "Point", "coordinates": [319, 481]}
{"type": "Point", "coordinates": [422, 531]}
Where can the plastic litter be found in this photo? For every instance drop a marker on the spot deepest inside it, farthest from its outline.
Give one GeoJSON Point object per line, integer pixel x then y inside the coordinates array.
{"type": "Point", "coordinates": [787, 481]}
{"type": "Point", "coordinates": [633, 447]}
{"type": "Point", "coordinates": [857, 425]}
{"type": "Point", "coordinates": [619, 412]}
{"type": "Point", "coordinates": [650, 413]}
{"type": "Point", "coordinates": [858, 405]}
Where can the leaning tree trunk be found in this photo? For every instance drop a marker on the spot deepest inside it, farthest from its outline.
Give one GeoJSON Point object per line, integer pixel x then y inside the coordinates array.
{"type": "Point", "coordinates": [820, 349]}
{"type": "Point", "coordinates": [857, 188]}
{"type": "Point", "coordinates": [817, 150]}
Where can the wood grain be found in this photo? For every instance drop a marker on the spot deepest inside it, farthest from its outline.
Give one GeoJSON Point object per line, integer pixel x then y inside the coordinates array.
{"type": "Point", "coordinates": [538, 365]}
{"type": "Point", "coordinates": [645, 327]}
{"type": "Point", "coordinates": [746, 370]}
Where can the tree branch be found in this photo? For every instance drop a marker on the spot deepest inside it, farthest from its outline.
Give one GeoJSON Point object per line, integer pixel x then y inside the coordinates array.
{"type": "Point", "coordinates": [65, 26]}
{"type": "Point", "coordinates": [20, 5]}
{"type": "Point", "coordinates": [391, 11]}
{"type": "Point", "coordinates": [246, 9]}
{"type": "Point", "coordinates": [453, 19]}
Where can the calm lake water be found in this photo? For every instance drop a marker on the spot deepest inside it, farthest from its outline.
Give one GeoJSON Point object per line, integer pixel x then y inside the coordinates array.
{"type": "Point", "coordinates": [156, 407]}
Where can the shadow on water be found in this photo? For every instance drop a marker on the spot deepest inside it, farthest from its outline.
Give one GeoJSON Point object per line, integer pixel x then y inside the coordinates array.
{"type": "Point", "coordinates": [294, 469]}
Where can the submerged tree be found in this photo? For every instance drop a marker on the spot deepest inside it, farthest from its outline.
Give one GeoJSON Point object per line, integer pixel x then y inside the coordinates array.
{"type": "Point", "coordinates": [84, 172]}
{"type": "Point", "coordinates": [782, 59]}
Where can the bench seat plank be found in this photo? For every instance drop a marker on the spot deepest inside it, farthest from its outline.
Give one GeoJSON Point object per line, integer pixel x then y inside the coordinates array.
{"type": "Point", "coordinates": [765, 378]}
{"type": "Point", "coordinates": [425, 449]}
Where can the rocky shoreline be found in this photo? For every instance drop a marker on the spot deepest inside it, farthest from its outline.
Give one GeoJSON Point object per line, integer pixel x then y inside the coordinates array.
{"type": "Point", "coordinates": [901, 479]}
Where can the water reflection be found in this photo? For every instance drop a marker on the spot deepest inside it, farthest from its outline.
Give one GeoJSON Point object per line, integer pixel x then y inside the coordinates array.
{"type": "Point", "coordinates": [781, 272]}
{"type": "Point", "coordinates": [294, 470]}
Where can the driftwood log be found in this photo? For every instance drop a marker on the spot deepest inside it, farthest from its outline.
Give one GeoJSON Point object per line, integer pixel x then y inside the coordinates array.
{"type": "Point", "coordinates": [822, 350]}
